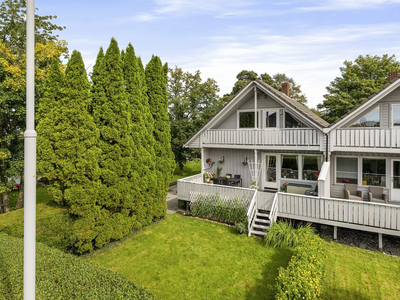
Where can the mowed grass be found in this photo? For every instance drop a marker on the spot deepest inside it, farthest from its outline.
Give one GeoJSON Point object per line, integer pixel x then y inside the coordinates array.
{"type": "Point", "coordinates": [188, 258]}
{"type": "Point", "coordinates": [190, 168]}
{"type": "Point", "coordinates": [353, 273]}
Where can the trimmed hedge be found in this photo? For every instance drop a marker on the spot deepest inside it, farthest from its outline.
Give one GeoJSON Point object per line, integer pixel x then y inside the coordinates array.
{"type": "Point", "coordinates": [223, 209]}
{"type": "Point", "coordinates": [302, 277]}
{"type": "Point", "coordinates": [61, 276]}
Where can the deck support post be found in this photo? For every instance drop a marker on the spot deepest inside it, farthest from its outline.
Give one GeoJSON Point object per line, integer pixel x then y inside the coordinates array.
{"type": "Point", "coordinates": [335, 232]}
{"type": "Point", "coordinates": [380, 241]}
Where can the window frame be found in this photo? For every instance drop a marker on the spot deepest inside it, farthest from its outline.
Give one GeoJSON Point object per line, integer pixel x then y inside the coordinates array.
{"type": "Point", "coordinates": [336, 168]}
{"type": "Point", "coordinates": [392, 115]}
{"type": "Point", "coordinates": [349, 126]}
{"type": "Point", "coordinates": [294, 117]}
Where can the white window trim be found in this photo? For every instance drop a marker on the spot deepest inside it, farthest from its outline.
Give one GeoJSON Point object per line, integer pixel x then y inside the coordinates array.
{"type": "Point", "coordinates": [348, 126]}
{"type": "Point", "coordinates": [392, 116]}
{"type": "Point", "coordinates": [260, 122]}
{"type": "Point", "coordinates": [296, 117]}
{"type": "Point", "coordinates": [276, 110]}
{"type": "Point", "coordinates": [360, 170]}
{"type": "Point", "coordinates": [313, 155]}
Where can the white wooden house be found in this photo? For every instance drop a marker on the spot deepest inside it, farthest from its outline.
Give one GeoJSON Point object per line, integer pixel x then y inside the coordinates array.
{"type": "Point", "coordinates": [294, 145]}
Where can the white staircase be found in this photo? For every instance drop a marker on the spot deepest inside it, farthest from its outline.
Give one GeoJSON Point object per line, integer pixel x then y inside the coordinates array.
{"type": "Point", "coordinates": [261, 223]}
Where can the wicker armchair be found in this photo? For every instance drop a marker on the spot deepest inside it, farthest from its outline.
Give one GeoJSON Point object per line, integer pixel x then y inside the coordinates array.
{"type": "Point", "coordinates": [376, 194]}
{"type": "Point", "coordinates": [351, 193]}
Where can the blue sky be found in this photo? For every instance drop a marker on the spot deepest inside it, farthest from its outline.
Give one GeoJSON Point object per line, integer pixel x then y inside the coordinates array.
{"type": "Point", "coordinates": [306, 40]}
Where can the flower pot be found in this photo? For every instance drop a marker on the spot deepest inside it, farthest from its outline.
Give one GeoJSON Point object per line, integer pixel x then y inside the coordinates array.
{"type": "Point", "coordinates": [364, 182]}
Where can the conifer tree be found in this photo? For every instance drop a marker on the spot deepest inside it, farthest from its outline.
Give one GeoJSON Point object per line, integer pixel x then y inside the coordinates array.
{"type": "Point", "coordinates": [111, 112]}
{"type": "Point", "coordinates": [157, 92]}
{"type": "Point", "coordinates": [142, 135]}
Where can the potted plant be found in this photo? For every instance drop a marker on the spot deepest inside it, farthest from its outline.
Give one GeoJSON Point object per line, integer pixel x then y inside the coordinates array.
{"type": "Point", "coordinates": [219, 169]}
{"type": "Point", "coordinates": [284, 187]}
{"type": "Point", "coordinates": [240, 227]}
{"type": "Point", "coordinates": [209, 176]}
{"type": "Point", "coordinates": [254, 185]}
{"type": "Point", "coordinates": [210, 162]}
{"type": "Point", "coordinates": [244, 163]}
{"type": "Point", "coordinates": [365, 178]}
{"type": "Point", "coordinates": [227, 176]}
{"type": "Point", "coordinates": [221, 160]}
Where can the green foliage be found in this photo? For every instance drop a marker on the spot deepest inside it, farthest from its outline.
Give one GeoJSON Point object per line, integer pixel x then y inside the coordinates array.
{"type": "Point", "coordinates": [240, 227]}
{"type": "Point", "coordinates": [275, 81]}
{"type": "Point", "coordinates": [61, 276]}
{"type": "Point", "coordinates": [302, 278]}
{"type": "Point", "coordinates": [282, 234]}
{"type": "Point", "coordinates": [13, 26]}
{"type": "Point", "coordinates": [223, 209]}
{"type": "Point", "coordinates": [191, 103]}
{"type": "Point", "coordinates": [143, 176]}
{"type": "Point", "coordinates": [358, 80]}
{"type": "Point", "coordinates": [164, 161]}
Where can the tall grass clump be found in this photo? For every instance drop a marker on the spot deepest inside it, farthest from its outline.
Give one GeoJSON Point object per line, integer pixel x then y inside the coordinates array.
{"type": "Point", "coordinates": [283, 234]}
{"type": "Point", "coordinates": [223, 209]}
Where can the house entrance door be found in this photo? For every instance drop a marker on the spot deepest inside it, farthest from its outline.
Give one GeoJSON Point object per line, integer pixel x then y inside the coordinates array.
{"type": "Point", "coordinates": [270, 171]}
{"type": "Point", "coordinates": [395, 192]}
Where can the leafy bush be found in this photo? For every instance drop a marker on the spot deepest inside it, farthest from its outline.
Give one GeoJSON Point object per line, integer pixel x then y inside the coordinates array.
{"type": "Point", "coordinates": [53, 225]}
{"type": "Point", "coordinates": [282, 234]}
{"type": "Point", "coordinates": [61, 276]}
{"type": "Point", "coordinates": [223, 209]}
{"type": "Point", "coordinates": [302, 277]}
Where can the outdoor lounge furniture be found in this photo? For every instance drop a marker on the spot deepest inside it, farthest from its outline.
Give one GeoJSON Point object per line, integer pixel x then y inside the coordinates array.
{"type": "Point", "coordinates": [376, 194]}
{"type": "Point", "coordinates": [216, 180]}
{"type": "Point", "coordinates": [351, 193]}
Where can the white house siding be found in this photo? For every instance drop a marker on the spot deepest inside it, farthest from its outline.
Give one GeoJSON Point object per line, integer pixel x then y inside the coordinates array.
{"type": "Point", "coordinates": [337, 189]}
{"type": "Point", "coordinates": [232, 164]}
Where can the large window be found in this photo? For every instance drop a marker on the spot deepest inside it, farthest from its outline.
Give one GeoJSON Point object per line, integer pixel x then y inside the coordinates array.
{"type": "Point", "coordinates": [311, 166]}
{"type": "Point", "coordinates": [290, 166]}
{"type": "Point", "coordinates": [246, 119]}
{"type": "Point", "coordinates": [374, 171]}
{"type": "Point", "coordinates": [371, 119]}
{"type": "Point", "coordinates": [291, 122]}
{"type": "Point", "coordinates": [347, 170]}
{"type": "Point", "coordinates": [396, 115]}
{"type": "Point", "coordinates": [270, 119]}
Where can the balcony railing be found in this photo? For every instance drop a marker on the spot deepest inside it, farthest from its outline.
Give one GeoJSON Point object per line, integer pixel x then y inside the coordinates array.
{"type": "Point", "coordinates": [263, 137]}
{"type": "Point", "coordinates": [369, 138]}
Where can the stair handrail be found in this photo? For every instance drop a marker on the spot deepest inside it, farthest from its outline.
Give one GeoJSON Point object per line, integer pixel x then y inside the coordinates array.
{"type": "Point", "coordinates": [251, 212]}
{"type": "Point", "coordinates": [274, 209]}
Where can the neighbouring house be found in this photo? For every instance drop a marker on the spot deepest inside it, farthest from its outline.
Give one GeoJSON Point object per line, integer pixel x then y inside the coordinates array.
{"type": "Point", "coordinates": [265, 136]}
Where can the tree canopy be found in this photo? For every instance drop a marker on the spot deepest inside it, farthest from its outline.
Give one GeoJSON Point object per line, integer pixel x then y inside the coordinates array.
{"type": "Point", "coordinates": [191, 103]}
{"type": "Point", "coordinates": [358, 80]}
{"type": "Point", "coordinates": [275, 81]}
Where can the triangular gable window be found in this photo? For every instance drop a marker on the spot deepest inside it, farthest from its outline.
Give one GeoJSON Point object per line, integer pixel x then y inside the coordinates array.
{"type": "Point", "coordinates": [292, 122]}
{"type": "Point", "coordinates": [371, 119]}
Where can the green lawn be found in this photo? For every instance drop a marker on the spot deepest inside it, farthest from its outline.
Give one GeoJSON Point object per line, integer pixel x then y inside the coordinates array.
{"type": "Point", "coordinates": [353, 273]}
{"type": "Point", "coordinates": [188, 258]}
{"type": "Point", "coordinates": [190, 168]}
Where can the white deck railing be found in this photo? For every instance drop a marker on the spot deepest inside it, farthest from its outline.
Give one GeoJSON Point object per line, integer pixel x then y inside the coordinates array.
{"type": "Point", "coordinates": [376, 138]}
{"type": "Point", "coordinates": [195, 184]}
{"type": "Point", "coordinates": [272, 137]}
{"type": "Point", "coordinates": [375, 217]}
{"type": "Point", "coordinates": [251, 212]}
{"type": "Point", "coordinates": [274, 209]}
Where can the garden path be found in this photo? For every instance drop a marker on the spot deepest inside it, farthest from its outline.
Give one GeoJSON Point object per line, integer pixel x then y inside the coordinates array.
{"type": "Point", "coordinates": [172, 200]}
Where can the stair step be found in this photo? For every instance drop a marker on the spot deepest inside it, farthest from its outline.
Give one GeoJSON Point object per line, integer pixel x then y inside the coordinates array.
{"type": "Point", "coordinates": [260, 226]}
{"type": "Point", "coordinates": [256, 232]}
{"type": "Point", "coordinates": [262, 215]}
{"type": "Point", "coordinates": [262, 221]}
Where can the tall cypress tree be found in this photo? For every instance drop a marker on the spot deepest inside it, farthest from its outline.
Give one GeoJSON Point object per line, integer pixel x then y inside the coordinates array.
{"type": "Point", "coordinates": [112, 116]}
{"type": "Point", "coordinates": [157, 91]}
{"type": "Point", "coordinates": [143, 160]}
{"type": "Point", "coordinates": [48, 117]}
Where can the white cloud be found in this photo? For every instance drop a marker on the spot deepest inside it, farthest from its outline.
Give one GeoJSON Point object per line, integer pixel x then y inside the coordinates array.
{"type": "Point", "coordinates": [341, 5]}
{"type": "Point", "coordinates": [312, 58]}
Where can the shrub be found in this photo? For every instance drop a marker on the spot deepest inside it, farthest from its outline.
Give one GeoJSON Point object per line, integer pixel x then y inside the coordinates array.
{"type": "Point", "coordinates": [223, 209]}
{"type": "Point", "coordinates": [302, 277]}
{"type": "Point", "coordinates": [61, 276]}
{"type": "Point", "coordinates": [282, 234]}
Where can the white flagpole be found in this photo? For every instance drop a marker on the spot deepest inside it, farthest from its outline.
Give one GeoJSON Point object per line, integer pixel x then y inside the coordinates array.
{"type": "Point", "coordinates": [30, 159]}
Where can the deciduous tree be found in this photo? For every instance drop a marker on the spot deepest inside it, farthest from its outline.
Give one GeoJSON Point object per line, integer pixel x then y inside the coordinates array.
{"type": "Point", "coordinates": [358, 80]}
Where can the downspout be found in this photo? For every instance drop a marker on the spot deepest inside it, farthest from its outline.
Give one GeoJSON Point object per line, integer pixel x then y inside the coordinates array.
{"type": "Point", "coordinates": [326, 142]}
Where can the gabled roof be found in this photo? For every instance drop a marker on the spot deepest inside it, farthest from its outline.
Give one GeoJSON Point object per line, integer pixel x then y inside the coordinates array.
{"type": "Point", "coordinates": [273, 93]}
{"type": "Point", "coordinates": [367, 103]}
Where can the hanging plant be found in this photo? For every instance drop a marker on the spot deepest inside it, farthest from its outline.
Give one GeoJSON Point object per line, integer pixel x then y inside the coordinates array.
{"type": "Point", "coordinates": [245, 162]}
{"type": "Point", "coordinates": [221, 160]}
{"type": "Point", "coordinates": [210, 162]}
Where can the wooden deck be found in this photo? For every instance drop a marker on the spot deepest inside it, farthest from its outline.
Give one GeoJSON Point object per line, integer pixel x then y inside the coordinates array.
{"type": "Point", "coordinates": [359, 215]}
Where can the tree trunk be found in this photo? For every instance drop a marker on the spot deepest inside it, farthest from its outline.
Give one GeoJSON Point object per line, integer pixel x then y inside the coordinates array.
{"type": "Point", "coordinates": [6, 202]}
{"type": "Point", "coordinates": [180, 164]}
{"type": "Point", "coordinates": [20, 199]}
{"type": "Point", "coordinates": [1, 203]}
